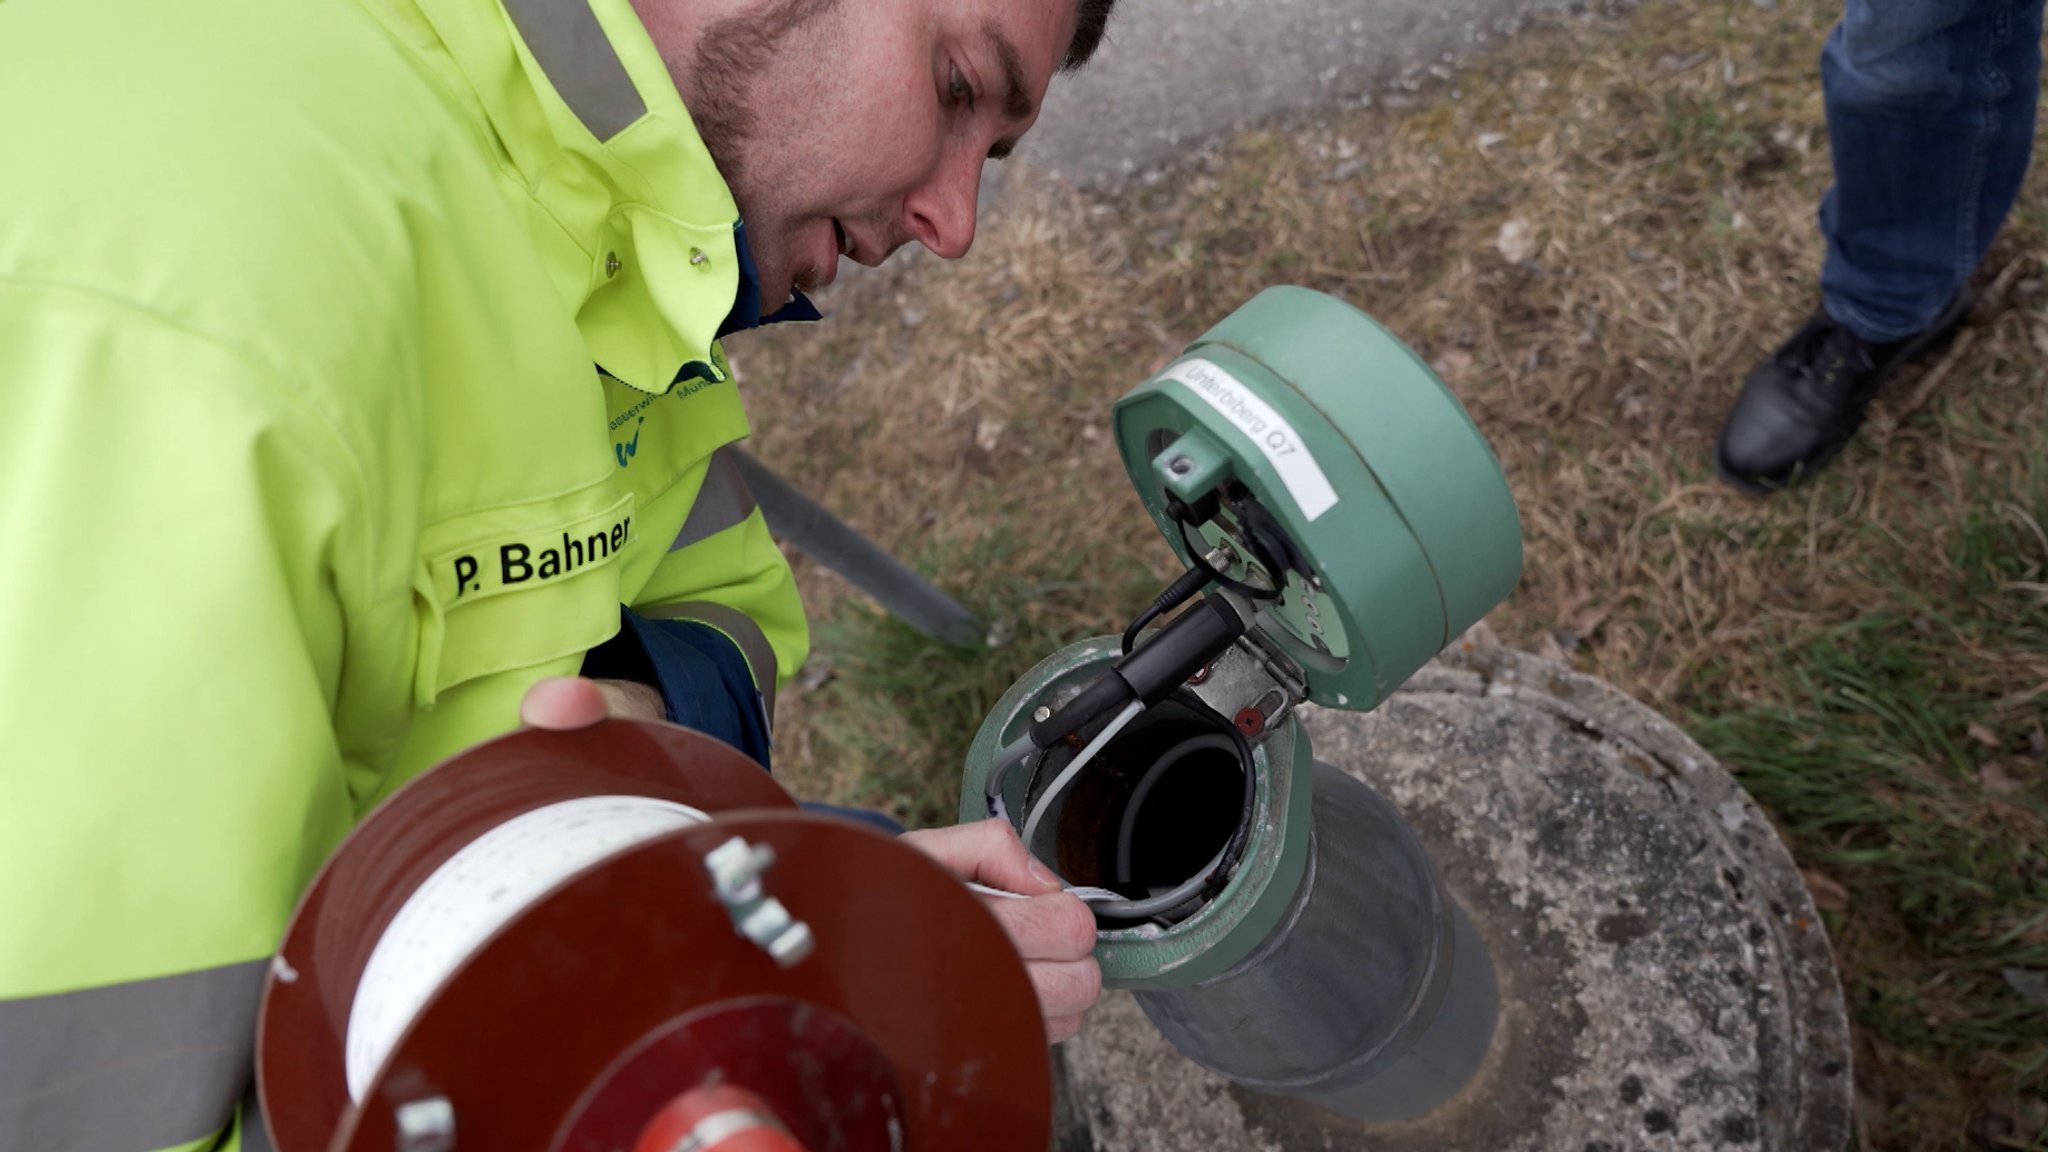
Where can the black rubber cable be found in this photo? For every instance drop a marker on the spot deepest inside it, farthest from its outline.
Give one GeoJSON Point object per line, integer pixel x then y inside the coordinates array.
{"type": "Point", "coordinates": [1177, 593]}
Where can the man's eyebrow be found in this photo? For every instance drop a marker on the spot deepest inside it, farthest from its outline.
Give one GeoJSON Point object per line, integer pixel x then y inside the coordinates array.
{"type": "Point", "coordinates": [1016, 104]}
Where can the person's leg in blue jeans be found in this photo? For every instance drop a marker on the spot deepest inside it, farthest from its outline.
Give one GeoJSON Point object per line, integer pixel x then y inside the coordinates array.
{"type": "Point", "coordinates": [1931, 107]}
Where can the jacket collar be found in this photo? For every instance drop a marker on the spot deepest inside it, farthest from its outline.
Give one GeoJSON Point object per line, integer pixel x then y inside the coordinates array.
{"type": "Point", "coordinates": [635, 223]}
{"type": "Point", "coordinates": [746, 307]}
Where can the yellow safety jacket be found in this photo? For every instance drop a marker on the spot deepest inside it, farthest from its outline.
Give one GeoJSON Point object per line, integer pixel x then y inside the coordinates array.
{"type": "Point", "coordinates": [306, 473]}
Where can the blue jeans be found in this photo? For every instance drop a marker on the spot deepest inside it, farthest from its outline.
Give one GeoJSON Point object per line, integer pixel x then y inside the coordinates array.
{"type": "Point", "coordinates": [1930, 108]}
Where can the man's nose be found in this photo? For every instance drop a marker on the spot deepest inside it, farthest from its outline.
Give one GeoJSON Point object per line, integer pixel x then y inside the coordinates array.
{"type": "Point", "coordinates": [942, 209]}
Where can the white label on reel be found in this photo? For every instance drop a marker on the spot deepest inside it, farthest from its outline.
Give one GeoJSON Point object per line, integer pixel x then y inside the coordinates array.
{"type": "Point", "coordinates": [1266, 428]}
{"type": "Point", "coordinates": [473, 894]}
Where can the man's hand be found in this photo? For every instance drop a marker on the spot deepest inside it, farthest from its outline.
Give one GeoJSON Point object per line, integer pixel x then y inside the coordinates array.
{"type": "Point", "coordinates": [565, 702]}
{"type": "Point", "coordinates": [1053, 931]}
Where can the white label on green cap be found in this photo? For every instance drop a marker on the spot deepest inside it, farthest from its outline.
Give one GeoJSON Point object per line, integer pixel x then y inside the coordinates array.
{"type": "Point", "coordinates": [1283, 446]}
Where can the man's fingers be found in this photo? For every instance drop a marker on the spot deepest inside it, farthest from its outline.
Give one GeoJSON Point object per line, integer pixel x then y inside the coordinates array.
{"type": "Point", "coordinates": [632, 700]}
{"type": "Point", "coordinates": [1065, 989]}
{"type": "Point", "coordinates": [1055, 926]}
{"type": "Point", "coordinates": [1053, 931]}
{"type": "Point", "coordinates": [565, 702]}
{"type": "Point", "coordinates": [987, 852]}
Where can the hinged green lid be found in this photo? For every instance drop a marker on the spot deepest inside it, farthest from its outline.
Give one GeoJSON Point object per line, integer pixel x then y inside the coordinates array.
{"type": "Point", "coordinates": [1337, 457]}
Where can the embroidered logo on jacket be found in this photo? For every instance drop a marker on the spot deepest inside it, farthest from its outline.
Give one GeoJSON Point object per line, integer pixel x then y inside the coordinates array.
{"type": "Point", "coordinates": [631, 448]}
{"type": "Point", "coordinates": [624, 450]}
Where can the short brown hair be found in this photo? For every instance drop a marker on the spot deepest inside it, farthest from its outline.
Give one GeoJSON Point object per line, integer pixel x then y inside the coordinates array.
{"type": "Point", "coordinates": [1089, 25]}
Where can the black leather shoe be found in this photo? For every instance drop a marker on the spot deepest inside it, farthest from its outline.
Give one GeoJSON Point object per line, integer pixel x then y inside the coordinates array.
{"type": "Point", "coordinates": [1798, 409]}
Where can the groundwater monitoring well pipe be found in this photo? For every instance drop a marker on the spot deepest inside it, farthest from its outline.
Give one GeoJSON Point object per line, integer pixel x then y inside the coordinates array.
{"type": "Point", "coordinates": [1665, 981]}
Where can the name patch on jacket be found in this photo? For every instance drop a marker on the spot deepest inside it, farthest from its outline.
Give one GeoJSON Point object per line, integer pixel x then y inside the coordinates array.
{"type": "Point", "coordinates": [534, 558]}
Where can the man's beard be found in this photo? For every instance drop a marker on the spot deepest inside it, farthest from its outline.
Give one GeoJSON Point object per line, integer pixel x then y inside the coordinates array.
{"type": "Point", "coordinates": [720, 88]}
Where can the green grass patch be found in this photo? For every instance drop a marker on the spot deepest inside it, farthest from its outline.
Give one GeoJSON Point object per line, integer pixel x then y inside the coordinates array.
{"type": "Point", "coordinates": [1897, 765]}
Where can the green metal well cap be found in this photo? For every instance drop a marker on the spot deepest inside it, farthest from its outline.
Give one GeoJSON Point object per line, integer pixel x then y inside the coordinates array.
{"type": "Point", "coordinates": [1325, 429]}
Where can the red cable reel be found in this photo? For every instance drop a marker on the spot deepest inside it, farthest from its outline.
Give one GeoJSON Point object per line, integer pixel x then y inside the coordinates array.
{"type": "Point", "coordinates": [577, 941]}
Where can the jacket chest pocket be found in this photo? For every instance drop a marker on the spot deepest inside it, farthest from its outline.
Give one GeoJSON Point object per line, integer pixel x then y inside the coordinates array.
{"type": "Point", "coordinates": [514, 587]}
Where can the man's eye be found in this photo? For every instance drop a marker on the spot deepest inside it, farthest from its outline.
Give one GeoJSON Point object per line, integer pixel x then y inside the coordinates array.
{"type": "Point", "coordinates": [958, 90]}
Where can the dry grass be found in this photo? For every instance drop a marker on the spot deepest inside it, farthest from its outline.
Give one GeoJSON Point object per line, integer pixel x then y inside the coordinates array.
{"type": "Point", "coordinates": [1592, 237]}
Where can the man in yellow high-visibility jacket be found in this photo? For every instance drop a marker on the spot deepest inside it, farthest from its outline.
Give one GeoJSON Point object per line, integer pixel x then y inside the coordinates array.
{"type": "Point", "coordinates": [359, 363]}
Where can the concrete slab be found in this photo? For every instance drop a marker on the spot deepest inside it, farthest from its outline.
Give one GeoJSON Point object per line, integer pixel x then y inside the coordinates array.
{"type": "Point", "coordinates": [1665, 980]}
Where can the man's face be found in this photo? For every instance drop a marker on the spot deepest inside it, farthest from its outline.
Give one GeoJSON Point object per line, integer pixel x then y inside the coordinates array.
{"type": "Point", "coordinates": [853, 127]}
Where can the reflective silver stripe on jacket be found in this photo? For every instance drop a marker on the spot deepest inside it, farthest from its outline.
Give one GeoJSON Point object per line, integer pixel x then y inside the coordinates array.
{"type": "Point", "coordinates": [740, 627]}
{"type": "Point", "coordinates": [723, 501]}
{"type": "Point", "coordinates": [565, 37]}
{"type": "Point", "coordinates": [129, 1067]}
{"type": "Point", "coordinates": [255, 1134]}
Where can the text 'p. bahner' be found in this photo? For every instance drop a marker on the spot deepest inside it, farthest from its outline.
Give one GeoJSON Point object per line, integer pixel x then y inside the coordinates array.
{"type": "Point", "coordinates": [525, 561]}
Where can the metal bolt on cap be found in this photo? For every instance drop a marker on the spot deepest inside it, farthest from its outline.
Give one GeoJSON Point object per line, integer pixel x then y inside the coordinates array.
{"type": "Point", "coordinates": [766, 922]}
{"type": "Point", "coordinates": [426, 1125]}
{"type": "Point", "coordinates": [795, 943]}
{"type": "Point", "coordinates": [736, 868]}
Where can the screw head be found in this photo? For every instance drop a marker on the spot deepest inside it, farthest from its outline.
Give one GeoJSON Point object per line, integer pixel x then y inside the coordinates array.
{"type": "Point", "coordinates": [1041, 714]}
{"type": "Point", "coordinates": [1180, 465]}
{"type": "Point", "coordinates": [611, 265]}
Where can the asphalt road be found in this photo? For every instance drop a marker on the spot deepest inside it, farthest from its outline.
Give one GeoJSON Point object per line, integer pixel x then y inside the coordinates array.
{"type": "Point", "coordinates": [1174, 73]}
